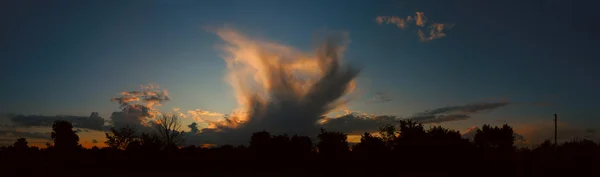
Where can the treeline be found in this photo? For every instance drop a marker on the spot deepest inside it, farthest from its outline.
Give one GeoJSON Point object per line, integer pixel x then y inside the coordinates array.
{"type": "Point", "coordinates": [406, 149]}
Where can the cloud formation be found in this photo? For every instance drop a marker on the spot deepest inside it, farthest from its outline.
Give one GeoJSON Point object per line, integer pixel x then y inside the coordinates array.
{"type": "Point", "coordinates": [138, 107]}
{"type": "Point", "coordinates": [432, 31]}
{"type": "Point", "coordinates": [454, 113]}
{"type": "Point", "coordinates": [279, 88]}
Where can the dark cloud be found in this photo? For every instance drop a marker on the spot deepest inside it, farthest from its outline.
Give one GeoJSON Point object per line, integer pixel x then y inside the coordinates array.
{"type": "Point", "coordinates": [11, 132]}
{"type": "Point", "coordinates": [132, 115]}
{"type": "Point", "coordinates": [94, 141]}
{"type": "Point", "coordinates": [138, 107]}
{"type": "Point", "coordinates": [357, 124]}
{"type": "Point", "coordinates": [454, 113]}
{"type": "Point", "coordinates": [93, 122]}
{"type": "Point", "coordinates": [81, 130]}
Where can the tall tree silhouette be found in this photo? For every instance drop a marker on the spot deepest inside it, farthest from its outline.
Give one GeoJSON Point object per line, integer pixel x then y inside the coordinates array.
{"type": "Point", "coordinates": [65, 139]}
{"type": "Point", "coordinates": [169, 131]}
{"type": "Point", "coordinates": [119, 139]}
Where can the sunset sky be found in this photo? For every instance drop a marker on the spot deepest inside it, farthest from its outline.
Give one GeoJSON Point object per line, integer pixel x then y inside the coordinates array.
{"type": "Point", "coordinates": [515, 62]}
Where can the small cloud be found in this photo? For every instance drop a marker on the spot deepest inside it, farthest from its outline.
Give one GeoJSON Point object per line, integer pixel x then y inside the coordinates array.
{"type": "Point", "coordinates": [380, 97]}
{"type": "Point", "coordinates": [421, 19]}
{"type": "Point", "coordinates": [94, 141]}
{"type": "Point", "coordinates": [435, 32]}
{"type": "Point", "coordinates": [431, 32]}
{"type": "Point", "coordinates": [398, 21]}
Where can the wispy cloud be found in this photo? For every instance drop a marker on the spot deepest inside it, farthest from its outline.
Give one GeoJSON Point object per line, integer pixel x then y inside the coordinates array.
{"type": "Point", "coordinates": [398, 21]}
{"type": "Point", "coordinates": [432, 30]}
{"type": "Point", "coordinates": [354, 122]}
{"type": "Point", "coordinates": [199, 115]}
{"type": "Point", "coordinates": [380, 97]}
{"type": "Point", "coordinates": [453, 113]}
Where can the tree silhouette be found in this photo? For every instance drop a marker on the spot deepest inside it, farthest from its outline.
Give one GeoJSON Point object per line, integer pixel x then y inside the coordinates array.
{"type": "Point", "coordinates": [370, 146]}
{"type": "Point", "coordinates": [332, 144]}
{"type": "Point", "coordinates": [301, 145]}
{"type": "Point", "coordinates": [495, 138]}
{"type": "Point", "coordinates": [120, 139]}
{"type": "Point", "coordinates": [260, 140]}
{"type": "Point", "coordinates": [412, 138]}
{"type": "Point", "coordinates": [21, 144]}
{"type": "Point", "coordinates": [261, 143]}
{"type": "Point", "coordinates": [388, 134]}
{"type": "Point", "coordinates": [169, 131]}
{"type": "Point", "coordinates": [65, 139]}
{"type": "Point", "coordinates": [411, 130]}
{"type": "Point", "coordinates": [150, 142]}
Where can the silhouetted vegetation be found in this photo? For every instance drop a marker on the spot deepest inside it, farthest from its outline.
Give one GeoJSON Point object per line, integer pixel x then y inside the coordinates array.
{"type": "Point", "coordinates": [406, 149]}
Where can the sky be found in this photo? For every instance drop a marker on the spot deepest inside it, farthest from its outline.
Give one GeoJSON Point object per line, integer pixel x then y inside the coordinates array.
{"type": "Point", "coordinates": [468, 62]}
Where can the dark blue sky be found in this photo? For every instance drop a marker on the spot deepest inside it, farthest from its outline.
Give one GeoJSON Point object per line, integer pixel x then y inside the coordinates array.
{"type": "Point", "coordinates": [71, 57]}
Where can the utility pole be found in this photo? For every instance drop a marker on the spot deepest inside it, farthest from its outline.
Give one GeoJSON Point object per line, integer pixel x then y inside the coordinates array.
{"type": "Point", "coordinates": [555, 130]}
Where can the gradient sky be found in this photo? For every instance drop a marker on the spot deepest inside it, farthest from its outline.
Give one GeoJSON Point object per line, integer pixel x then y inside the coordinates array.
{"type": "Point", "coordinates": [71, 57]}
